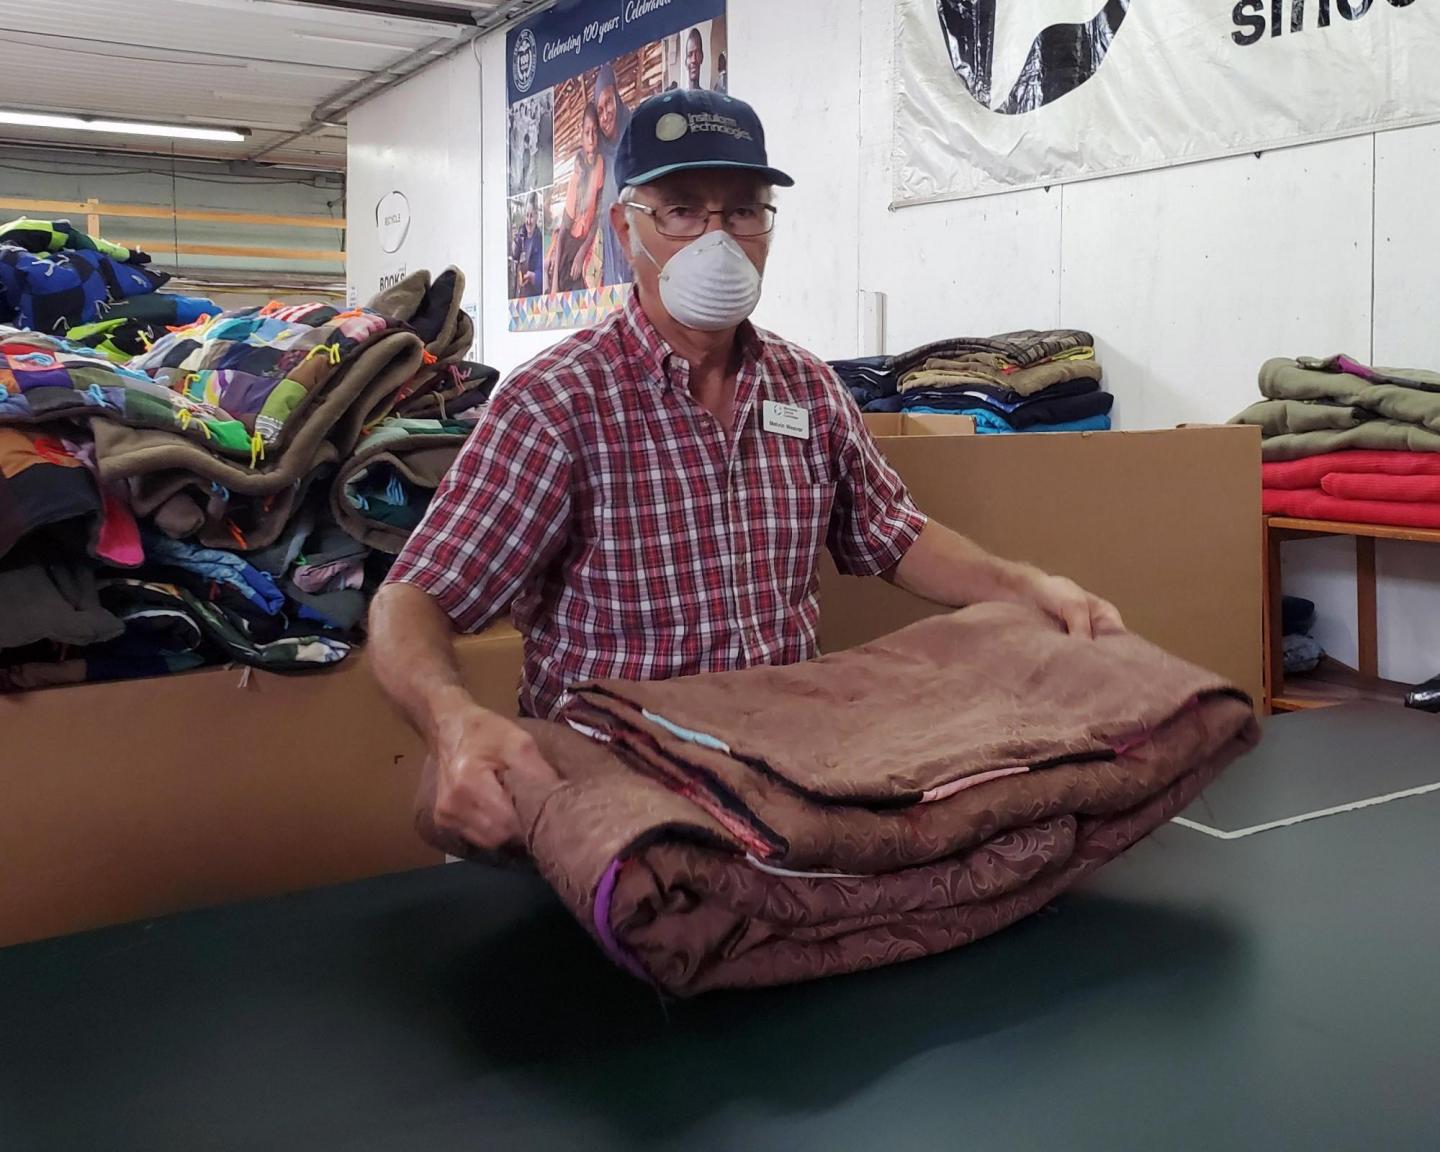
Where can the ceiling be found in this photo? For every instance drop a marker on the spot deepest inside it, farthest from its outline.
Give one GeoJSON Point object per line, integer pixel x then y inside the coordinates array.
{"type": "Point", "coordinates": [287, 71]}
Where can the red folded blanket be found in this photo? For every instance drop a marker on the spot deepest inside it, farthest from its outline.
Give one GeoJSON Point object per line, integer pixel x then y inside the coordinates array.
{"type": "Point", "coordinates": [1311, 471]}
{"type": "Point", "coordinates": [1315, 504]}
{"type": "Point", "coordinates": [1392, 489]}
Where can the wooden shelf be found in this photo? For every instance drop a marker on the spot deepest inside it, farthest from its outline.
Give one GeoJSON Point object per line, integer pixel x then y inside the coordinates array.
{"type": "Point", "coordinates": [1335, 683]}
{"type": "Point", "coordinates": [1332, 683]}
{"type": "Point", "coordinates": [1289, 524]}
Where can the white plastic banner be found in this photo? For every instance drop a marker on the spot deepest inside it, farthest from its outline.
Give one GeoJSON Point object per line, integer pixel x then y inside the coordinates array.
{"type": "Point", "coordinates": [997, 95]}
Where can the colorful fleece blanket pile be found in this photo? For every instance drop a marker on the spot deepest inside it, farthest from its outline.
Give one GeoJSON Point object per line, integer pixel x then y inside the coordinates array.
{"type": "Point", "coordinates": [210, 462]}
{"type": "Point", "coordinates": [760, 827]}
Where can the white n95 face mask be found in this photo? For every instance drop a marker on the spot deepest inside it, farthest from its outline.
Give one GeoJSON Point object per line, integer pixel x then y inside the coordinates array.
{"type": "Point", "coordinates": [710, 284]}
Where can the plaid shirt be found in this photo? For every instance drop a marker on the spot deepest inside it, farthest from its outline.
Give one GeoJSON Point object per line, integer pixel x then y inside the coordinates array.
{"type": "Point", "coordinates": [634, 538]}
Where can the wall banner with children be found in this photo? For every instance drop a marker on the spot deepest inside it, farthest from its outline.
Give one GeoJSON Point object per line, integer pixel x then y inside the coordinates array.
{"type": "Point", "coordinates": [573, 75]}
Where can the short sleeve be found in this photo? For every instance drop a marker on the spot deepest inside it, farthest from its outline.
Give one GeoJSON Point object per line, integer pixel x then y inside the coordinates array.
{"type": "Point", "coordinates": [500, 516]}
{"type": "Point", "coordinates": [874, 521]}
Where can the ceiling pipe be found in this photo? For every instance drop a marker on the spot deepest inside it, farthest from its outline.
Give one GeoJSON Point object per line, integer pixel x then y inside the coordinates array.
{"type": "Point", "coordinates": [400, 10]}
{"type": "Point", "coordinates": [339, 104]}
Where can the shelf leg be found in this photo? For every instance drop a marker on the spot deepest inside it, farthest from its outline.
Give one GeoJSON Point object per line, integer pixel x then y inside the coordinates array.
{"type": "Point", "coordinates": [1365, 606]}
{"type": "Point", "coordinates": [1274, 636]}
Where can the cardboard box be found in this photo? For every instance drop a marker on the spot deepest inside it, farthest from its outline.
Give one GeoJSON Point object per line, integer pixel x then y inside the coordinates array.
{"type": "Point", "coordinates": [134, 799]}
{"type": "Point", "coordinates": [915, 443]}
{"type": "Point", "coordinates": [130, 800]}
{"type": "Point", "coordinates": [1164, 524]}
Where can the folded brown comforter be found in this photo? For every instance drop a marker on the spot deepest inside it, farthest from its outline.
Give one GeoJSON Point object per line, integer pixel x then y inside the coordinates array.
{"type": "Point", "coordinates": [900, 799]}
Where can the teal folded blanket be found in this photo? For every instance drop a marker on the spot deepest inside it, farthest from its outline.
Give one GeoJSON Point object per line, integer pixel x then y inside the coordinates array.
{"type": "Point", "coordinates": [988, 423]}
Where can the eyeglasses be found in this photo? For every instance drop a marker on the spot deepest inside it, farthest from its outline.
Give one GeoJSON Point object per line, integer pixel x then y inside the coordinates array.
{"type": "Point", "coordinates": [689, 221]}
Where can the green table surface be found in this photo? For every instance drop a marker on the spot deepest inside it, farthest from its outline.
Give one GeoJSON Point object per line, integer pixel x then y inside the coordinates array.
{"type": "Point", "coordinates": [1277, 991]}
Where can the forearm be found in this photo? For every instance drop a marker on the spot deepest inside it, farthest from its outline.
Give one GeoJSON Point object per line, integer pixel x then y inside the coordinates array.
{"type": "Point", "coordinates": [944, 567]}
{"type": "Point", "coordinates": [412, 654]}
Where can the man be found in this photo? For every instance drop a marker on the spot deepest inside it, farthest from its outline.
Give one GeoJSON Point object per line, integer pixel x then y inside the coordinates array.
{"type": "Point", "coordinates": [528, 252]}
{"type": "Point", "coordinates": [694, 57]}
{"type": "Point", "coordinates": [652, 494]}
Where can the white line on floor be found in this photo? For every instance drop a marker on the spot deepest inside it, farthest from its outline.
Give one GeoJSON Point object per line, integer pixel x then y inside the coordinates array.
{"type": "Point", "coordinates": [1239, 833]}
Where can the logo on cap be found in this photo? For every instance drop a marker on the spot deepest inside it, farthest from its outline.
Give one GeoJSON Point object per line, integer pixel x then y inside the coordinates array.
{"type": "Point", "coordinates": [671, 126]}
{"type": "Point", "coordinates": [523, 61]}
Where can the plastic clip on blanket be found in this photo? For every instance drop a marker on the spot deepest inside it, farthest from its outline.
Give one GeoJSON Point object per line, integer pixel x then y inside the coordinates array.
{"type": "Point", "coordinates": [198, 325]}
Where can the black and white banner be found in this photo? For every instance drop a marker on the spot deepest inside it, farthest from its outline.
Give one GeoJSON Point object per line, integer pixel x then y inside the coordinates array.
{"type": "Point", "coordinates": [997, 95]}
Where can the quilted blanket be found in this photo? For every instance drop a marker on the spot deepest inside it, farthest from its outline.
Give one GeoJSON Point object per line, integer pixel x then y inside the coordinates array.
{"type": "Point", "coordinates": [53, 276]}
{"type": "Point", "coordinates": [910, 796]}
{"type": "Point", "coordinates": [223, 424]}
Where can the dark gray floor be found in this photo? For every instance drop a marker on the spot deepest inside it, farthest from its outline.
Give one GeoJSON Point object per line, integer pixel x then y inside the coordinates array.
{"type": "Point", "coordinates": [1337, 756]}
{"type": "Point", "coordinates": [1274, 992]}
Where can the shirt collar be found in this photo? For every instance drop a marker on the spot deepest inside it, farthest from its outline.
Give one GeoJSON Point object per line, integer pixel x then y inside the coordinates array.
{"type": "Point", "coordinates": [656, 353]}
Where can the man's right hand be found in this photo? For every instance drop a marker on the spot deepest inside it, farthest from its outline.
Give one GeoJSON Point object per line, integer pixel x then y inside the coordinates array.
{"type": "Point", "coordinates": [462, 803]}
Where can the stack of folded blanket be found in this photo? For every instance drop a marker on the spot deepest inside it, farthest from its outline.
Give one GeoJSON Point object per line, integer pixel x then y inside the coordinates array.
{"type": "Point", "coordinates": [235, 492]}
{"type": "Point", "coordinates": [1015, 382]}
{"type": "Point", "coordinates": [1401, 489]}
{"type": "Point", "coordinates": [759, 827]}
{"type": "Point", "coordinates": [869, 378]}
{"type": "Point", "coordinates": [57, 280]}
{"type": "Point", "coordinates": [1344, 441]}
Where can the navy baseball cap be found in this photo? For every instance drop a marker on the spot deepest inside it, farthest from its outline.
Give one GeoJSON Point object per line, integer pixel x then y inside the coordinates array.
{"type": "Point", "coordinates": [691, 128]}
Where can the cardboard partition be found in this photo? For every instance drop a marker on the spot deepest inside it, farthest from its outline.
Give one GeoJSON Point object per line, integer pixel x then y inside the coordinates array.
{"type": "Point", "coordinates": [130, 800]}
{"type": "Point", "coordinates": [1164, 524]}
{"type": "Point", "coordinates": [892, 424]}
{"type": "Point", "coordinates": [139, 798]}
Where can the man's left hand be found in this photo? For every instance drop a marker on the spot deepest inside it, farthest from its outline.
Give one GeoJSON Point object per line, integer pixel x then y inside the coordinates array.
{"type": "Point", "coordinates": [1082, 614]}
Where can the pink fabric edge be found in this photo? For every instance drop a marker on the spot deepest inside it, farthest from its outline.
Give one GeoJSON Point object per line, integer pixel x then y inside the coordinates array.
{"type": "Point", "coordinates": [946, 790]}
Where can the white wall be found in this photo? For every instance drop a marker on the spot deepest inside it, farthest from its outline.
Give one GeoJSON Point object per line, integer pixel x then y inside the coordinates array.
{"type": "Point", "coordinates": [1190, 277]}
{"type": "Point", "coordinates": [422, 139]}
{"type": "Point", "coordinates": [810, 292]}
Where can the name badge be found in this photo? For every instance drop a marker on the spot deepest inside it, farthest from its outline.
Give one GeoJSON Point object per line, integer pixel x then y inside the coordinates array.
{"type": "Point", "coordinates": [785, 420]}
